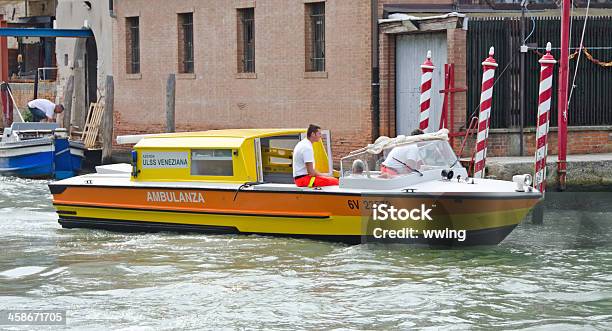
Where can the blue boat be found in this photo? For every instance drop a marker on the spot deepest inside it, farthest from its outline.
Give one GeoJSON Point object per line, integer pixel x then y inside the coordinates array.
{"type": "Point", "coordinates": [39, 150]}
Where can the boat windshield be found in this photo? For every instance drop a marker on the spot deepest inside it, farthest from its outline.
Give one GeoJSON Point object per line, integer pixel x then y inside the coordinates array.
{"type": "Point", "coordinates": [436, 154]}
{"type": "Point", "coordinates": [404, 160]}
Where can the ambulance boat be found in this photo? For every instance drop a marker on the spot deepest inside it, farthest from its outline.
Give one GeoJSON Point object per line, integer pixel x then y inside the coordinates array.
{"type": "Point", "coordinates": [240, 182]}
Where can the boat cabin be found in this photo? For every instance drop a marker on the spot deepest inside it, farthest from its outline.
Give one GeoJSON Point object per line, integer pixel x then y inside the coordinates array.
{"type": "Point", "coordinates": [265, 156]}
{"type": "Point", "coordinates": [230, 156]}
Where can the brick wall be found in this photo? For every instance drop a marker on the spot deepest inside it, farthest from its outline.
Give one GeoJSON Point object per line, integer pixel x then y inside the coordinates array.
{"type": "Point", "coordinates": [580, 140]}
{"type": "Point", "coordinates": [387, 84]}
{"type": "Point", "coordinates": [24, 92]}
{"type": "Point", "coordinates": [279, 94]}
{"type": "Point", "coordinates": [456, 39]}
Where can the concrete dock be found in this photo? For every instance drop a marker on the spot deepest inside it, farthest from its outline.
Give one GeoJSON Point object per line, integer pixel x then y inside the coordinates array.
{"type": "Point", "coordinates": [585, 170]}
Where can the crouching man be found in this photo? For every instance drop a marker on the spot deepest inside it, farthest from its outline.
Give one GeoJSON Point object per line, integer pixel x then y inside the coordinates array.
{"type": "Point", "coordinates": [304, 173]}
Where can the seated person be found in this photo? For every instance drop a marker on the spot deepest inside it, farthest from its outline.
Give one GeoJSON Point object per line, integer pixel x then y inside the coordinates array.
{"type": "Point", "coordinates": [358, 168]}
{"type": "Point", "coordinates": [304, 173]}
{"type": "Point", "coordinates": [401, 159]}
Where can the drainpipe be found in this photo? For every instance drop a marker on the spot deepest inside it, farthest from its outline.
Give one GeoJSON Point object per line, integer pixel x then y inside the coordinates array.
{"type": "Point", "coordinates": [375, 73]}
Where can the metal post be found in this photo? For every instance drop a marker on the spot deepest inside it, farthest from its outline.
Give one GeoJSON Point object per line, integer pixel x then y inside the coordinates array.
{"type": "Point", "coordinates": [6, 103]}
{"type": "Point", "coordinates": [562, 99]}
{"type": "Point", "coordinates": [36, 84]}
{"type": "Point", "coordinates": [107, 121]}
{"type": "Point", "coordinates": [170, 102]}
{"type": "Point", "coordinates": [375, 79]}
{"type": "Point", "coordinates": [522, 77]}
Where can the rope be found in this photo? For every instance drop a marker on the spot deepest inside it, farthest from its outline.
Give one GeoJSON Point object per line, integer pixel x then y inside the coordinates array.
{"type": "Point", "coordinates": [586, 18]}
{"type": "Point", "coordinates": [587, 54]}
{"type": "Point", "coordinates": [596, 61]}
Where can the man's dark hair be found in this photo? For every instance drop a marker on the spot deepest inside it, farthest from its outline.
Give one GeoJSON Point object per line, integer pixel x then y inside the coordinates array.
{"type": "Point", "coordinates": [416, 132]}
{"type": "Point", "coordinates": [312, 128]}
{"type": "Point", "coordinates": [61, 106]}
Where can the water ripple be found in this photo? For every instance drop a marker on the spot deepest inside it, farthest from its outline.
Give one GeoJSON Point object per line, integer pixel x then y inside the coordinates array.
{"type": "Point", "coordinates": [546, 277]}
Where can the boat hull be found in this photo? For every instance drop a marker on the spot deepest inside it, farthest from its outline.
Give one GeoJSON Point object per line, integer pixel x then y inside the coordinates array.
{"type": "Point", "coordinates": [486, 219]}
{"type": "Point", "coordinates": [44, 158]}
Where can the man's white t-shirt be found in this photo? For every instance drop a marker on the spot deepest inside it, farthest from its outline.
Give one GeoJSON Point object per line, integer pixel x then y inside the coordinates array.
{"type": "Point", "coordinates": [302, 153]}
{"type": "Point", "coordinates": [43, 104]}
{"type": "Point", "coordinates": [407, 154]}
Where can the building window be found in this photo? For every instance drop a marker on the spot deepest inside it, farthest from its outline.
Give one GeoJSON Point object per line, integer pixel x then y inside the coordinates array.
{"type": "Point", "coordinates": [185, 42]}
{"type": "Point", "coordinates": [246, 40]}
{"type": "Point", "coordinates": [315, 36]}
{"type": "Point", "coordinates": [132, 28]}
{"type": "Point", "coordinates": [212, 162]}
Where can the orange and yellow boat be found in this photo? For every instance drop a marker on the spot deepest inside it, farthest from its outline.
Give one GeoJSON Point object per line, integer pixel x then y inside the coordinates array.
{"type": "Point", "coordinates": [240, 182]}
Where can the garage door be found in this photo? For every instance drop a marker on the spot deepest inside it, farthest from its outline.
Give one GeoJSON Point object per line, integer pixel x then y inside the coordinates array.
{"type": "Point", "coordinates": [410, 53]}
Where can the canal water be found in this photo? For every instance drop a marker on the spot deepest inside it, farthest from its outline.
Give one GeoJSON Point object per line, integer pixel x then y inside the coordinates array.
{"type": "Point", "coordinates": [542, 277]}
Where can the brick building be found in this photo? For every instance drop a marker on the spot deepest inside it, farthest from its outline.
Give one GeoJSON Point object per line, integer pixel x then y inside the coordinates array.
{"type": "Point", "coordinates": [224, 86]}
{"type": "Point", "coordinates": [273, 63]}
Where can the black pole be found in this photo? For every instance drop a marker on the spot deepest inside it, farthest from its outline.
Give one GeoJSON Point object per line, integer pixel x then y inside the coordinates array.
{"type": "Point", "coordinates": [36, 85]}
{"type": "Point", "coordinates": [375, 72]}
{"type": "Point", "coordinates": [522, 88]}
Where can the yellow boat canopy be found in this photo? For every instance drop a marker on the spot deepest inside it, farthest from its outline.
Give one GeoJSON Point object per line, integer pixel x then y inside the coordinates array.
{"type": "Point", "coordinates": [234, 155]}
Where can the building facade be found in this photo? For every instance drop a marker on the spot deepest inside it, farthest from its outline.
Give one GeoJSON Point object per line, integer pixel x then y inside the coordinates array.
{"type": "Point", "coordinates": [346, 65]}
{"type": "Point", "coordinates": [254, 64]}
{"type": "Point", "coordinates": [88, 60]}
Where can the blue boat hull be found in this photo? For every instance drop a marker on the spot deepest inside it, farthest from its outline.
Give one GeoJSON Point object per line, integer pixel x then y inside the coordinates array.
{"type": "Point", "coordinates": [44, 158]}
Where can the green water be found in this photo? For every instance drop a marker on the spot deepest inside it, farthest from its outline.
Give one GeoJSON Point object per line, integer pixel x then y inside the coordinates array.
{"type": "Point", "coordinates": [543, 277]}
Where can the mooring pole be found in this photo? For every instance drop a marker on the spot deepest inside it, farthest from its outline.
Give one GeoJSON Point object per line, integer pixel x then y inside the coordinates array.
{"type": "Point", "coordinates": [547, 62]}
{"type": "Point", "coordinates": [484, 117]}
{"type": "Point", "coordinates": [427, 69]}
{"type": "Point", "coordinates": [68, 89]}
{"type": "Point", "coordinates": [170, 102]}
{"type": "Point", "coordinates": [107, 121]}
{"type": "Point", "coordinates": [562, 98]}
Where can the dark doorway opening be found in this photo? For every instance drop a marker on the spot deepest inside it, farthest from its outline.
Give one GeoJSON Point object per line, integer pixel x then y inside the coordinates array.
{"type": "Point", "coordinates": [91, 71]}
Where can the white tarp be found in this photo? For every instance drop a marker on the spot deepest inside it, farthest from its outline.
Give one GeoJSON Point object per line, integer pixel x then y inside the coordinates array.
{"type": "Point", "coordinates": [384, 142]}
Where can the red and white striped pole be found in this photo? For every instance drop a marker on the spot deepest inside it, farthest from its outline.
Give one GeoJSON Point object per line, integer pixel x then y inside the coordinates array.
{"type": "Point", "coordinates": [426, 68]}
{"type": "Point", "coordinates": [547, 62]}
{"type": "Point", "coordinates": [486, 95]}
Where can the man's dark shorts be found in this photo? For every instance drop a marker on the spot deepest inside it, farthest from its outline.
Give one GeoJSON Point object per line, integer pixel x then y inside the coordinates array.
{"type": "Point", "coordinates": [37, 114]}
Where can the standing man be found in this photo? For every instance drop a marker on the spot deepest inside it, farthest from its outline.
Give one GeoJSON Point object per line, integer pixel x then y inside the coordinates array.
{"type": "Point", "coordinates": [44, 110]}
{"type": "Point", "coordinates": [304, 173]}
